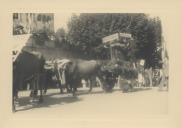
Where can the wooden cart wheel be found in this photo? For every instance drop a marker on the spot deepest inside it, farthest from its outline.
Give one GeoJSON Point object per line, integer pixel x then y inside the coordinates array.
{"type": "Point", "coordinates": [126, 87]}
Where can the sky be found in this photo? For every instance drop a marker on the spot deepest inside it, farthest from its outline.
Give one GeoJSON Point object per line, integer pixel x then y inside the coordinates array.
{"type": "Point", "coordinates": [61, 20]}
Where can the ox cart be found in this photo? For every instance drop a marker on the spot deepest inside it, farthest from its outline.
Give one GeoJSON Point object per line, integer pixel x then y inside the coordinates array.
{"type": "Point", "coordinates": [118, 70]}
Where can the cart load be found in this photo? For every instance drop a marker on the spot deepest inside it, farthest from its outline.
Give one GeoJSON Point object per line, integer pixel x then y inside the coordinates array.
{"type": "Point", "coordinates": [118, 67]}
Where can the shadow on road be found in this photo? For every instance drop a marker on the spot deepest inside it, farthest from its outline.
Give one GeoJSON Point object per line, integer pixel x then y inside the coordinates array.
{"type": "Point", "coordinates": [140, 89]}
{"type": "Point", "coordinates": [56, 98]}
{"type": "Point", "coordinates": [83, 92]}
{"type": "Point", "coordinates": [49, 100]}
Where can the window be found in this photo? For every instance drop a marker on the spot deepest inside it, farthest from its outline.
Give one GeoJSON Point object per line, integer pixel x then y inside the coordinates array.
{"type": "Point", "coordinates": [39, 17]}
{"type": "Point", "coordinates": [15, 15]}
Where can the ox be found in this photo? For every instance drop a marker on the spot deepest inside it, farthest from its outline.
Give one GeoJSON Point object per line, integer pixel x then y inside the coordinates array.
{"type": "Point", "coordinates": [28, 66]}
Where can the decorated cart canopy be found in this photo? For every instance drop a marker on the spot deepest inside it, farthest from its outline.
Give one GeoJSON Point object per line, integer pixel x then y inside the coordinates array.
{"type": "Point", "coordinates": [116, 43]}
{"type": "Point", "coordinates": [117, 37]}
{"type": "Point", "coordinates": [118, 65]}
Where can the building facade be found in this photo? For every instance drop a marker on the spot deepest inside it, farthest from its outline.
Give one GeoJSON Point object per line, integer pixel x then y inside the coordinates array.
{"type": "Point", "coordinates": [27, 23]}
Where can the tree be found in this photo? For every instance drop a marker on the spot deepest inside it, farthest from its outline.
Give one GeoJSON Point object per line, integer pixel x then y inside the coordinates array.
{"type": "Point", "coordinates": [85, 32]}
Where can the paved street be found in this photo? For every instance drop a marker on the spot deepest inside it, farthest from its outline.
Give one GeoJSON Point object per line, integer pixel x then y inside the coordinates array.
{"type": "Point", "coordinates": [97, 103]}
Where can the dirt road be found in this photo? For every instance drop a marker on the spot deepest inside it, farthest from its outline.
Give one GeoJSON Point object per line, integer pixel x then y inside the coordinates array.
{"type": "Point", "coordinates": [97, 103]}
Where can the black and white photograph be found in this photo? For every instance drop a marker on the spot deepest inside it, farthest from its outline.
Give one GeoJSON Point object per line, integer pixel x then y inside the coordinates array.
{"type": "Point", "coordinates": [89, 63]}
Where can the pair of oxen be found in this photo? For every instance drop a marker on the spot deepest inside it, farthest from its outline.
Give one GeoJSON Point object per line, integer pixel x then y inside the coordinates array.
{"type": "Point", "coordinates": [30, 67]}
{"type": "Point", "coordinates": [69, 73]}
